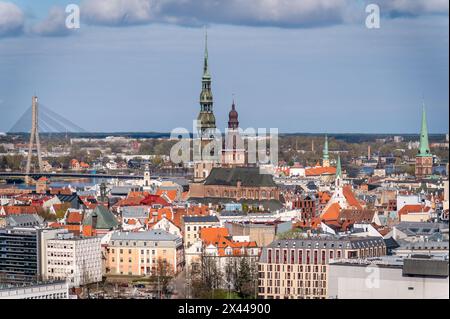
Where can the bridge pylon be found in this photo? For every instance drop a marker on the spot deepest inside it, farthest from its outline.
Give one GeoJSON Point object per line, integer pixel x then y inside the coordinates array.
{"type": "Point", "coordinates": [34, 136]}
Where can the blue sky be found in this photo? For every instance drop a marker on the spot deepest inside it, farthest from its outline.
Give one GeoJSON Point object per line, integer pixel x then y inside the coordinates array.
{"type": "Point", "coordinates": [299, 68]}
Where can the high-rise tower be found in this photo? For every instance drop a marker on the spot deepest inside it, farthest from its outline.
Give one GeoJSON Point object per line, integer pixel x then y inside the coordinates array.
{"type": "Point", "coordinates": [34, 136]}
{"type": "Point", "coordinates": [424, 158]}
{"type": "Point", "coordinates": [326, 158]}
{"type": "Point", "coordinates": [206, 119]}
{"type": "Point", "coordinates": [207, 154]}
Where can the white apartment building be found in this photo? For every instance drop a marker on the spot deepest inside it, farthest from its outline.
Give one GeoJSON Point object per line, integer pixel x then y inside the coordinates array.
{"type": "Point", "coordinates": [75, 259]}
{"type": "Point", "coordinates": [47, 290]}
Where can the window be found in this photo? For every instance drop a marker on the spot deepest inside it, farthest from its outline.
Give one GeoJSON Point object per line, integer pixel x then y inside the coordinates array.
{"type": "Point", "coordinates": [308, 256]}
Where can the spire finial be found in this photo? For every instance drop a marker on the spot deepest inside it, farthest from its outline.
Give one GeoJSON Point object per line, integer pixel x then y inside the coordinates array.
{"type": "Point", "coordinates": [205, 66]}
{"type": "Point", "coordinates": [233, 106]}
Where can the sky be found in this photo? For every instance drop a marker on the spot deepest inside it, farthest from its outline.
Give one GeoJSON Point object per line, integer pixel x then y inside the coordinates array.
{"type": "Point", "coordinates": [297, 65]}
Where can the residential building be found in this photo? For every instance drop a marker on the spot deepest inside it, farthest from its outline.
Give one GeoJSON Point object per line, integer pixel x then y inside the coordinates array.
{"type": "Point", "coordinates": [78, 260]}
{"type": "Point", "coordinates": [193, 224]}
{"type": "Point", "coordinates": [299, 268]}
{"type": "Point", "coordinates": [137, 253]}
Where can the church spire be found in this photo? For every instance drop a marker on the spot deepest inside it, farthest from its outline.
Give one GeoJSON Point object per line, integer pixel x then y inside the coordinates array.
{"type": "Point", "coordinates": [338, 168]}
{"type": "Point", "coordinates": [206, 119]}
{"type": "Point", "coordinates": [424, 148]}
{"type": "Point", "coordinates": [233, 122]}
{"type": "Point", "coordinates": [205, 62]}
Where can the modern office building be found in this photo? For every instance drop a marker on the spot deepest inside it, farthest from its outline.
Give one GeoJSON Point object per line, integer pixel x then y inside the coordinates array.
{"type": "Point", "coordinates": [299, 268]}
{"type": "Point", "coordinates": [22, 253]}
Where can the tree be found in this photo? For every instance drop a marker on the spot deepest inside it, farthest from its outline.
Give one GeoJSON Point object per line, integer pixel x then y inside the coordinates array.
{"type": "Point", "coordinates": [162, 276]}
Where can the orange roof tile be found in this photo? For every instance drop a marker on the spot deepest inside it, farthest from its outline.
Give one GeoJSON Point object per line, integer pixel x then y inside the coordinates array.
{"type": "Point", "coordinates": [350, 197]}
{"type": "Point", "coordinates": [320, 170]}
{"type": "Point", "coordinates": [332, 213]}
{"type": "Point", "coordinates": [413, 209]}
{"type": "Point", "coordinates": [171, 194]}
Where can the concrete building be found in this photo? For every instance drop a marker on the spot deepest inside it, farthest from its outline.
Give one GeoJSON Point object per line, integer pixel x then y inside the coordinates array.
{"type": "Point", "coordinates": [299, 268]}
{"type": "Point", "coordinates": [46, 290]}
{"type": "Point", "coordinates": [23, 253]}
{"type": "Point", "coordinates": [75, 259]}
{"type": "Point", "coordinates": [389, 278]}
{"type": "Point", "coordinates": [137, 253]}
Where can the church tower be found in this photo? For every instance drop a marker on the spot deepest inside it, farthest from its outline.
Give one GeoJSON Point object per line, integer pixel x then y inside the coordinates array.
{"type": "Point", "coordinates": [234, 151]}
{"type": "Point", "coordinates": [206, 127]}
{"type": "Point", "coordinates": [326, 158]}
{"type": "Point", "coordinates": [424, 158]}
{"type": "Point", "coordinates": [206, 119]}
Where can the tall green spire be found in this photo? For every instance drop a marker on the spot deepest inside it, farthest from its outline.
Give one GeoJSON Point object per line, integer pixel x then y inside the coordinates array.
{"type": "Point", "coordinates": [206, 116]}
{"type": "Point", "coordinates": [325, 148]}
{"type": "Point", "coordinates": [424, 148]}
{"type": "Point", "coordinates": [205, 62]}
{"type": "Point", "coordinates": [338, 168]}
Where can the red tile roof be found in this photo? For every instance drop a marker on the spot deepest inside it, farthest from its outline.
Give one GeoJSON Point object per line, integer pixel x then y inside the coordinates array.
{"type": "Point", "coordinates": [332, 213]}
{"type": "Point", "coordinates": [413, 209]}
{"type": "Point", "coordinates": [350, 197]}
{"type": "Point", "coordinates": [320, 170]}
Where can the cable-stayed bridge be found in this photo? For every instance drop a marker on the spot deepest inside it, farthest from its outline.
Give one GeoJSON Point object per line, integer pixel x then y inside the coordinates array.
{"type": "Point", "coordinates": [48, 122]}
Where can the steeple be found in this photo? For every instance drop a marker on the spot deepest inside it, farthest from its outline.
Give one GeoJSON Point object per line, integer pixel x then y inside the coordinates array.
{"type": "Point", "coordinates": [233, 122]}
{"type": "Point", "coordinates": [424, 148]}
{"type": "Point", "coordinates": [338, 168]}
{"type": "Point", "coordinates": [206, 118]}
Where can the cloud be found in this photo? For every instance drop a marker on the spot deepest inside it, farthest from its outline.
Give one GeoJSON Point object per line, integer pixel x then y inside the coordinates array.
{"type": "Point", "coordinates": [12, 19]}
{"type": "Point", "coordinates": [276, 13]}
{"type": "Point", "coordinates": [119, 12]}
{"type": "Point", "coordinates": [53, 25]}
{"type": "Point", "coordinates": [414, 7]}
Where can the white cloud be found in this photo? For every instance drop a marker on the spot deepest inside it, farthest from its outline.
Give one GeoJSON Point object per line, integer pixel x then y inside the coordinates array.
{"type": "Point", "coordinates": [53, 25]}
{"type": "Point", "coordinates": [118, 12]}
{"type": "Point", "coordinates": [415, 7]}
{"type": "Point", "coordinates": [11, 19]}
{"type": "Point", "coordinates": [279, 13]}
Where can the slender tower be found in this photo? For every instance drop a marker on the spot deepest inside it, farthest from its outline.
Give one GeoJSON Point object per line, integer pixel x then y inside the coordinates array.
{"type": "Point", "coordinates": [34, 136]}
{"type": "Point", "coordinates": [206, 148]}
{"type": "Point", "coordinates": [326, 158]}
{"type": "Point", "coordinates": [234, 152]}
{"type": "Point", "coordinates": [206, 119]}
{"type": "Point", "coordinates": [424, 158]}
